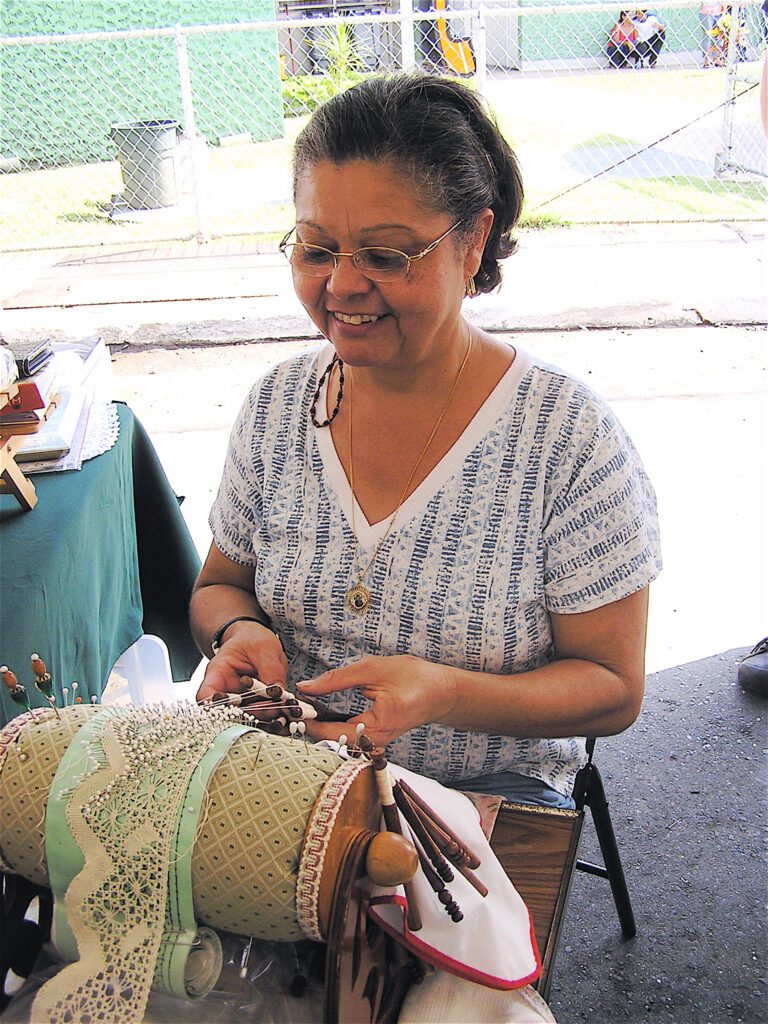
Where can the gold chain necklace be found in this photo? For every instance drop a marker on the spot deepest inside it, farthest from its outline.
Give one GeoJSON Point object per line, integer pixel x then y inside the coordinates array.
{"type": "Point", "coordinates": [358, 597]}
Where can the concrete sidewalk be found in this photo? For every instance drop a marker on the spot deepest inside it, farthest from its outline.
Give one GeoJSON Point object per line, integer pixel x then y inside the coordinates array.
{"type": "Point", "coordinates": [228, 291]}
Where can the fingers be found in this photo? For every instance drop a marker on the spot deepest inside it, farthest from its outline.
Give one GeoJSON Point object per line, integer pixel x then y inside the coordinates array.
{"type": "Point", "coordinates": [337, 731]}
{"type": "Point", "coordinates": [347, 732]}
{"type": "Point", "coordinates": [220, 677]}
{"type": "Point", "coordinates": [262, 658]}
{"type": "Point", "coordinates": [331, 682]}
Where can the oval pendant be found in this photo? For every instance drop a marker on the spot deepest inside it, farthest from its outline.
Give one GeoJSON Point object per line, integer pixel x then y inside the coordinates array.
{"type": "Point", "coordinates": [358, 599]}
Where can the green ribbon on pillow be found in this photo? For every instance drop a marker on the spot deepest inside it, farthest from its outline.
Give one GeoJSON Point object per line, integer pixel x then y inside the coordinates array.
{"type": "Point", "coordinates": [190, 959]}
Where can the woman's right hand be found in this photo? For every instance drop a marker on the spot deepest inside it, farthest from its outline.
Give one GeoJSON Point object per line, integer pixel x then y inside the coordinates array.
{"type": "Point", "coordinates": [249, 649]}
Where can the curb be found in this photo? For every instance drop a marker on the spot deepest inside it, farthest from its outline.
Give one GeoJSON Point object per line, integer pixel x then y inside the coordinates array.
{"type": "Point", "coordinates": [261, 330]}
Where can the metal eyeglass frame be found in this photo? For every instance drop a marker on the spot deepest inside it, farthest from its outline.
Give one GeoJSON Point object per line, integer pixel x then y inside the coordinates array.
{"type": "Point", "coordinates": [366, 273]}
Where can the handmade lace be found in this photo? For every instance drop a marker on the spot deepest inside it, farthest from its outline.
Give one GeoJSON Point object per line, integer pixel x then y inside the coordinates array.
{"type": "Point", "coordinates": [111, 829]}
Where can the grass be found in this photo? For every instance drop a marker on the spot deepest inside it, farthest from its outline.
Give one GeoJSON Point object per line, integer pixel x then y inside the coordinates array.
{"type": "Point", "coordinates": [564, 129]}
{"type": "Point", "coordinates": [601, 118]}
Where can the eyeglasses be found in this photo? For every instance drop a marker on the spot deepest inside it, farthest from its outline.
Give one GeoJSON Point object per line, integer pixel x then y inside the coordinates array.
{"type": "Point", "coordinates": [376, 262]}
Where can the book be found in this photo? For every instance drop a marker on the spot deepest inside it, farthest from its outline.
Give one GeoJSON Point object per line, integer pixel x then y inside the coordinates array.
{"type": "Point", "coordinates": [81, 373]}
{"type": "Point", "coordinates": [31, 355]}
{"type": "Point", "coordinates": [27, 422]}
{"type": "Point", "coordinates": [54, 438]}
{"type": "Point", "coordinates": [33, 392]}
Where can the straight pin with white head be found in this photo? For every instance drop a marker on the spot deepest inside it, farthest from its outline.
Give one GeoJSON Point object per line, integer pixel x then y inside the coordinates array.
{"type": "Point", "coordinates": [258, 754]}
{"type": "Point", "coordinates": [64, 695]}
{"type": "Point", "coordinates": [302, 728]}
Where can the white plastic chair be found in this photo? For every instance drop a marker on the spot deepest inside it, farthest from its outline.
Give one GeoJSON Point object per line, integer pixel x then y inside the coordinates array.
{"type": "Point", "coordinates": [142, 675]}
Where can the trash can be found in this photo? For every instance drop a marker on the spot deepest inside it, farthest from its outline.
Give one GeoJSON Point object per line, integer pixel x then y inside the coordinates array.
{"type": "Point", "coordinates": [145, 152]}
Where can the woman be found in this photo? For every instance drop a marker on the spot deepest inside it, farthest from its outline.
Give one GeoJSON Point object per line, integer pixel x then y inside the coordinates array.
{"type": "Point", "coordinates": [621, 42]}
{"type": "Point", "coordinates": [450, 539]}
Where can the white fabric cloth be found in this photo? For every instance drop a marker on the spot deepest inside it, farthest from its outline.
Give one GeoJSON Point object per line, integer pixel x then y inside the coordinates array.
{"type": "Point", "coordinates": [451, 1000]}
{"type": "Point", "coordinates": [494, 944]}
{"type": "Point", "coordinates": [541, 506]}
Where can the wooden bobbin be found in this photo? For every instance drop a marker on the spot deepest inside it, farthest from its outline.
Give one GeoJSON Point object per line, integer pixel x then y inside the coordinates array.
{"type": "Point", "coordinates": [392, 821]}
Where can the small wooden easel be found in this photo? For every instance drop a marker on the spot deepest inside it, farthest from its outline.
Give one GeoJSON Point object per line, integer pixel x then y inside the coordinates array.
{"type": "Point", "coordinates": [12, 479]}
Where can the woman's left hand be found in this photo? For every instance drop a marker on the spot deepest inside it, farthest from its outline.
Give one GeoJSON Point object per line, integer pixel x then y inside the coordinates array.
{"type": "Point", "coordinates": [404, 692]}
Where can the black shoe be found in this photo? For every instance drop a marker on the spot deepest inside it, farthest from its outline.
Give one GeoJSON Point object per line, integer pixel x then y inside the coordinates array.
{"type": "Point", "coordinates": [753, 669]}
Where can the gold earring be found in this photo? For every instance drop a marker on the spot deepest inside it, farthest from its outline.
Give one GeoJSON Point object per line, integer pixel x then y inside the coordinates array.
{"type": "Point", "coordinates": [470, 289]}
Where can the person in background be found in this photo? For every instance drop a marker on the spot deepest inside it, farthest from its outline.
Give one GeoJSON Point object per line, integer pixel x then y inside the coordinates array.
{"type": "Point", "coordinates": [723, 38]}
{"type": "Point", "coordinates": [621, 42]}
{"type": "Point", "coordinates": [708, 15]}
{"type": "Point", "coordinates": [419, 523]}
{"type": "Point", "coordinates": [649, 35]}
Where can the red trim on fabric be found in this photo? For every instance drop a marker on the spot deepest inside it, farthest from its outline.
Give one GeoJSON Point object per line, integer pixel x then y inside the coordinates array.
{"type": "Point", "coordinates": [446, 963]}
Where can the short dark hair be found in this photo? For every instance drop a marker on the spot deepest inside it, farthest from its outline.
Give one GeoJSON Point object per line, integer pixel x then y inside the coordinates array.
{"type": "Point", "coordinates": [441, 133]}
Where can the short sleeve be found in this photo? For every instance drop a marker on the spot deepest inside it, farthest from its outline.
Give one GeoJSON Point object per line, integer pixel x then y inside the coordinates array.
{"type": "Point", "coordinates": [600, 534]}
{"type": "Point", "coordinates": [237, 509]}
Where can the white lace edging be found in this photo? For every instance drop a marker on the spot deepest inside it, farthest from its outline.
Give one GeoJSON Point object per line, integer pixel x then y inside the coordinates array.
{"type": "Point", "coordinates": [102, 432]}
{"type": "Point", "coordinates": [318, 831]}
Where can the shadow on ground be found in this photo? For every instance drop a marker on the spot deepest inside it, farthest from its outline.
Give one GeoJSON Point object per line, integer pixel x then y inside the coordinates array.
{"type": "Point", "coordinates": [688, 800]}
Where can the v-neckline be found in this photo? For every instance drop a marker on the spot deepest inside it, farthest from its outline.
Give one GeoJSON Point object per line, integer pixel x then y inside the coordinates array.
{"type": "Point", "coordinates": [370, 534]}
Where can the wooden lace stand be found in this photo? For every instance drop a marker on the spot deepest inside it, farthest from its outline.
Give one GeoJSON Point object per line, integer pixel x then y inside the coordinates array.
{"type": "Point", "coordinates": [12, 480]}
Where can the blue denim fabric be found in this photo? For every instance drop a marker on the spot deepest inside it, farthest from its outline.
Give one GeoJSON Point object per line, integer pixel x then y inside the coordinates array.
{"type": "Point", "coordinates": [521, 789]}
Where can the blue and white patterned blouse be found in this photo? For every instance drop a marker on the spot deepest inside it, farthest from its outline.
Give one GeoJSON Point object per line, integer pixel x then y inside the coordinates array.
{"type": "Point", "coordinates": [542, 505]}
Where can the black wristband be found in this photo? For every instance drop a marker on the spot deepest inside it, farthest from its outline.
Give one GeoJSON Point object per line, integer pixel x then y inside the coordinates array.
{"type": "Point", "coordinates": [215, 643]}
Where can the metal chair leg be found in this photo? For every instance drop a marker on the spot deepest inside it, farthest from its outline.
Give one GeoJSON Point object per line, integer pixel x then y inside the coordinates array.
{"type": "Point", "coordinates": [613, 870]}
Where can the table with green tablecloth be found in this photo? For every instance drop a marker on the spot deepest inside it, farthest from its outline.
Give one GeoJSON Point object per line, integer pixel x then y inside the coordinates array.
{"type": "Point", "coordinates": [103, 557]}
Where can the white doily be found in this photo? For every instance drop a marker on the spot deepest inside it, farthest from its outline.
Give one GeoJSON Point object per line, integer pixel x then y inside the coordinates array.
{"type": "Point", "coordinates": [102, 431]}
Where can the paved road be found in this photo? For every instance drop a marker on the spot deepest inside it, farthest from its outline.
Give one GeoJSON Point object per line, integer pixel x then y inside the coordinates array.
{"type": "Point", "coordinates": [687, 792]}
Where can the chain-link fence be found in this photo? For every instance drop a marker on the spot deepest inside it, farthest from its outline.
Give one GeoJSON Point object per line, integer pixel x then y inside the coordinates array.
{"type": "Point", "coordinates": [113, 133]}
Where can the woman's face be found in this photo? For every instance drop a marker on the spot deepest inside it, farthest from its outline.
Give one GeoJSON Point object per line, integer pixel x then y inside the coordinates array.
{"type": "Point", "coordinates": [406, 321]}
